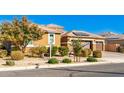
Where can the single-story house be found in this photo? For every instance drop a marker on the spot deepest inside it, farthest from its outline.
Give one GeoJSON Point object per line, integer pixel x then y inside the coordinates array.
{"type": "Point", "coordinates": [113, 41]}
{"type": "Point", "coordinates": [88, 40]}
{"type": "Point", "coordinates": [52, 33]}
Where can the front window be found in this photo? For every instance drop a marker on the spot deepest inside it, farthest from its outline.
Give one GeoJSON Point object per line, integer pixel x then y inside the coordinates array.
{"type": "Point", "coordinates": [51, 38]}
{"type": "Point", "coordinates": [30, 42]}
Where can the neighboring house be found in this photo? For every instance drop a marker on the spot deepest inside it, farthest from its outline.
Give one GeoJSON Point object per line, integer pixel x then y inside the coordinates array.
{"type": "Point", "coordinates": [113, 41]}
{"type": "Point", "coordinates": [52, 33]}
{"type": "Point", "coordinates": [88, 40]}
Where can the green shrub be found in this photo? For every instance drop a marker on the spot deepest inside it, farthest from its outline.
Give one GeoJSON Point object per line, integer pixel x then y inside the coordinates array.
{"type": "Point", "coordinates": [17, 55]}
{"type": "Point", "coordinates": [2, 46]}
{"type": "Point", "coordinates": [42, 49]}
{"type": "Point", "coordinates": [89, 51]}
{"type": "Point", "coordinates": [3, 53]}
{"type": "Point", "coordinates": [10, 63]}
{"type": "Point", "coordinates": [39, 51]}
{"type": "Point", "coordinates": [66, 60]}
{"type": "Point", "coordinates": [15, 49]}
{"type": "Point", "coordinates": [63, 51]}
{"type": "Point", "coordinates": [34, 51]}
{"type": "Point", "coordinates": [53, 61]}
{"type": "Point", "coordinates": [54, 50]}
{"type": "Point", "coordinates": [91, 59]}
{"type": "Point", "coordinates": [86, 52]}
{"type": "Point", "coordinates": [97, 54]}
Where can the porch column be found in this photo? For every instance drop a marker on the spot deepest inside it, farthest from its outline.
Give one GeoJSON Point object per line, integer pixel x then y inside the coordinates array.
{"type": "Point", "coordinates": [93, 45]}
{"type": "Point", "coordinates": [103, 45]}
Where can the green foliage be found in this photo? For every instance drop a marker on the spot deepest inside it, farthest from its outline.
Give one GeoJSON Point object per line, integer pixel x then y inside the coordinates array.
{"type": "Point", "coordinates": [38, 51]}
{"type": "Point", "coordinates": [54, 50]}
{"type": "Point", "coordinates": [17, 55]}
{"type": "Point", "coordinates": [20, 32]}
{"type": "Point", "coordinates": [97, 54]}
{"type": "Point", "coordinates": [76, 47]}
{"type": "Point", "coordinates": [3, 53]}
{"type": "Point", "coordinates": [91, 59]}
{"type": "Point", "coordinates": [34, 51]}
{"type": "Point", "coordinates": [10, 63]}
{"type": "Point", "coordinates": [66, 60]}
{"type": "Point", "coordinates": [53, 61]}
{"type": "Point", "coordinates": [63, 51]}
{"type": "Point", "coordinates": [42, 49]}
{"type": "Point", "coordinates": [86, 52]}
{"type": "Point", "coordinates": [2, 47]}
{"type": "Point", "coordinates": [89, 51]}
{"type": "Point", "coordinates": [15, 49]}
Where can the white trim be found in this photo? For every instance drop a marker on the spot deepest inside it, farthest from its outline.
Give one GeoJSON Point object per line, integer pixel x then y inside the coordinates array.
{"type": "Point", "coordinates": [30, 45]}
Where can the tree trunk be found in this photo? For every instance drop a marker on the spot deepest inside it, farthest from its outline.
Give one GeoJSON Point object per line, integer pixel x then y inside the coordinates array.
{"type": "Point", "coordinates": [23, 49]}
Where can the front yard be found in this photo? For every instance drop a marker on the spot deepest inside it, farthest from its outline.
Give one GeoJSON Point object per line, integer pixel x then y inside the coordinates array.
{"type": "Point", "coordinates": [31, 61]}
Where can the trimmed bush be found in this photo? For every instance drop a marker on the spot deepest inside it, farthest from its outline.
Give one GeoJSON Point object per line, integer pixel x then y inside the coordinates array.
{"type": "Point", "coordinates": [91, 59]}
{"type": "Point", "coordinates": [34, 51]}
{"type": "Point", "coordinates": [15, 49]}
{"type": "Point", "coordinates": [42, 50]}
{"type": "Point", "coordinates": [3, 53]}
{"type": "Point", "coordinates": [63, 51]}
{"type": "Point", "coordinates": [66, 60]}
{"type": "Point", "coordinates": [86, 52]}
{"type": "Point", "coordinates": [53, 61]}
{"type": "Point", "coordinates": [2, 46]}
{"type": "Point", "coordinates": [54, 50]}
{"type": "Point", "coordinates": [17, 55]}
{"type": "Point", "coordinates": [10, 63]}
{"type": "Point", "coordinates": [97, 54]}
{"type": "Point", "coordinates": [38, 51]}
{"type": "Point", "coordinates": [89, 51]}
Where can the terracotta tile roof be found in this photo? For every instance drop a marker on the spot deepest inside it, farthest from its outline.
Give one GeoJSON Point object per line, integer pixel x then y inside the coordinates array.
{"type": "Point", "coordinates": [76, 33]}
{"type": "Point", "coordinates": [50, 29]}
{"type": "Point", "coordinates": [54, 25]}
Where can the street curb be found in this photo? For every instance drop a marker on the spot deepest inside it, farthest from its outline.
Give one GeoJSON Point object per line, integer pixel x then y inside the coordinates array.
{"type": "Point", "coordinates": [53, 66]}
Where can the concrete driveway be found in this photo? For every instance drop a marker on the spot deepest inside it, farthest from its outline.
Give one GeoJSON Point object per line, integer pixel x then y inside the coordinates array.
{"type": "Point", "coordinates": [113, 57]}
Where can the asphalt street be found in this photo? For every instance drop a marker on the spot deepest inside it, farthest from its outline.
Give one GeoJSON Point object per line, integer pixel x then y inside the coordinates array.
{"type": "Point", "coordinates": [104, 70]}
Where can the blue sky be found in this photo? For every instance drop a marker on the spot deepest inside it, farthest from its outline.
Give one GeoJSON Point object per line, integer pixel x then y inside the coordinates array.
{"type": "Point", "coordinates": [90, 23]}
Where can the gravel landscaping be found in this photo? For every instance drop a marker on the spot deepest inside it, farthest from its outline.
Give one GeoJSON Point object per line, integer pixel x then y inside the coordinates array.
{"type": "Point", "coordinates": [29, 61]}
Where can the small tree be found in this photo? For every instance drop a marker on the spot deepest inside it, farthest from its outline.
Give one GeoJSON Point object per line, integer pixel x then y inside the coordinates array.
{"type": "Point", "coordinates": [20, 32]}
{"type": "Point", "coordinates": [76, 44]}
{"type": "Point", "coordinates": [63, 51]}
{"type": "Point", "coordinates": [54, 50]}
{"type": "Point", "coordinates": [42, 50]}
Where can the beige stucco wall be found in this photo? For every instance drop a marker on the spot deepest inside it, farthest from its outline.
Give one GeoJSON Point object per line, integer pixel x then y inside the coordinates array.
{"type": "Point", "coordinates": [57, 40]}
{"type": "Point", "coordinates": [41, 42]}
{"type": "Point", "coordinates": [44, 41]}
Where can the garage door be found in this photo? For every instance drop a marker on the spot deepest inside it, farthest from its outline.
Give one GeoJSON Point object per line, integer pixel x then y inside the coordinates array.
{"type": "Point", "coordinates": [99, 46]}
